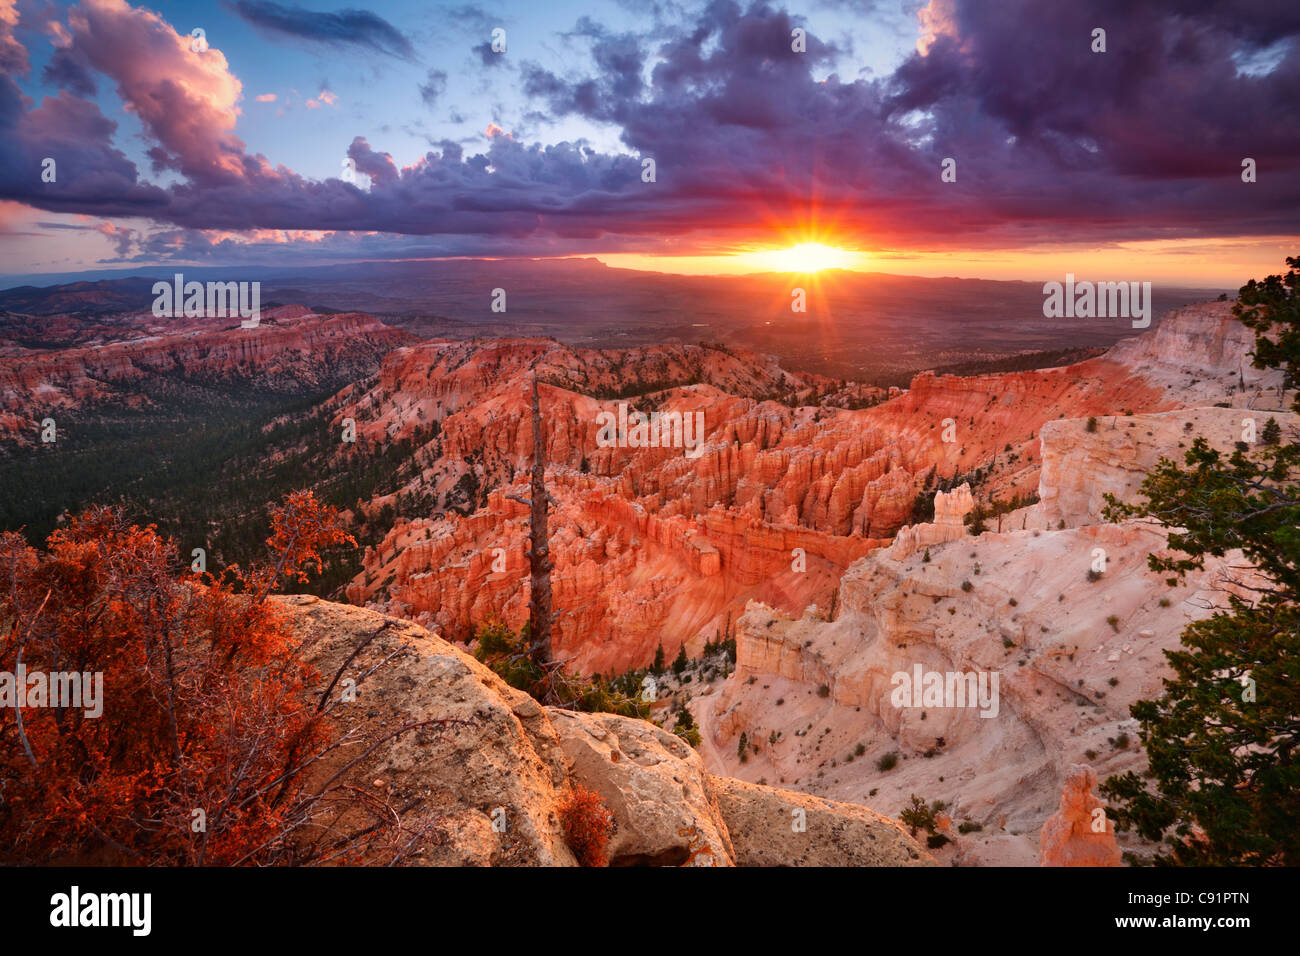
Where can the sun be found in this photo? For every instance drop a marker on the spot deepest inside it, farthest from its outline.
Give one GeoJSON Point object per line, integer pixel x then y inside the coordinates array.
{"type": "Point", "coordinates": [806, 257]}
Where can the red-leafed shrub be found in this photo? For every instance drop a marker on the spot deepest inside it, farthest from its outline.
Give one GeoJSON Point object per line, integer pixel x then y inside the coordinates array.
{"type": "Point", "coordinates": [207, 721]}
{"type": "Point", "coordinates": [588, 824]}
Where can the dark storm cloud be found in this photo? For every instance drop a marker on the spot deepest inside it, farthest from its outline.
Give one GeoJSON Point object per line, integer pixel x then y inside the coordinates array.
{"type": "Point", "coordinates": [66, 72]}
{"type": "Point", "coordinates": [1052, 142]}
{"type": "Point", "coordinates": [341, 28]}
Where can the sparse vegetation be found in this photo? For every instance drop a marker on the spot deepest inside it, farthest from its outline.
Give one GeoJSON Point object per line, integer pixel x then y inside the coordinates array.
{"type": "Point", "coordinates": [588, 825]}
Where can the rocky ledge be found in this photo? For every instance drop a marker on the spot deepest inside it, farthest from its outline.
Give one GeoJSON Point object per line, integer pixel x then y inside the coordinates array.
{"type": "Point", "coordinates": [490, 767]}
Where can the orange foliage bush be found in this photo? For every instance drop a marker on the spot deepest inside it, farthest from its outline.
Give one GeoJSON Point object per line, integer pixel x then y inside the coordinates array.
{"type": "Point", "coordinates": [207, 720]}
{"type": "Point", "coordinates": [588, 824]}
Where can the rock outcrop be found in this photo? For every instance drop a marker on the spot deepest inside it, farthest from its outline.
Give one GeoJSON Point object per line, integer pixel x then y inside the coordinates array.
{"type": "Point", "coordinates": [950, 510]}
{"type": "Point", "coordinates": [772, 827]}
{"type": "Point", "coordinates": [291, 350]}
{"type": "Point", "coordinates": [653, 546]}
{"type": "Point", "coordinates": [484, 768]}
{"type": "Point", "coordinates": [1081, 467]}
{"type": "Point", "coordinates": [1079, 834]}
{"type": "Point", "coordinates": [1070, 621]}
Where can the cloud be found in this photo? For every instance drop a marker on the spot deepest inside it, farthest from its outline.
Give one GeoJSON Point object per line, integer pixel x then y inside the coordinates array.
{"type": "Point", "coordinates": [187, 101]}
{"type": "Point", "coordinates": [434, 85]}
{"type": "Point", "coordinates": [13, 55]}
{"type": "Point", "coordinates": [378, 166]}
{"type": "Point", "coordinates": [265, 97]}
{"type": "Point", "coordinates": [343, 28]}
{"type": "Point", "coordinates": [324, 98]}
{"type": "Point", "coordinates": [487, 56]}
{"type": "Point", "coordinates": [67, 71]}
{"type": "Point", "coordinates": [1052, 142]}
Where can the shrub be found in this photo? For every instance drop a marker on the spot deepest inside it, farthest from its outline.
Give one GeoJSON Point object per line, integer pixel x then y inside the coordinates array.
{"type": "Point", "coordinates": [686, 728]}
{"type": "Point", "coordinates": [588, 824]}
{"type": "Point", "coordinates": [219, 709]}
{"type": "Point", "coordinates": [920, 815]}
{"type": "Point", "coordinates": [1113, 621]}
{"type": "Point", "coordinates": [887, 762]}
{"type": "Point", "coordinates": [505, 652]}
{"type": "Point", "coordinates": [969, 826]}
{"type": "Point", "coordinates": [823, 691]}
{"type": "Point", "coordinates": [1092, 423]}
{"type": "Point", "coordinates": [967, 586]}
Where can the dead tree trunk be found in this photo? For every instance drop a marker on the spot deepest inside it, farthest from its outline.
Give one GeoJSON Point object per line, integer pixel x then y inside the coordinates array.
{"type": "Point", "coordinates": [539, 551]}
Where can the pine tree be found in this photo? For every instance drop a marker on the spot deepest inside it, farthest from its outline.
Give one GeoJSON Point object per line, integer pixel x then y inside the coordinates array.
{"type": "Point", "coordinates": [657, 667]}
{"type": "Point", "coordinates": [680, 661]}
{"type": "Point", "coordinates": [1271, 434]}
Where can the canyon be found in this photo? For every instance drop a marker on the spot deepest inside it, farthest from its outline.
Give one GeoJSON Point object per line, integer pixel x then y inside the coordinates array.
{"type": "Point", "coordinates": [841, 534]}
{"type": "Point", "coordinates": [652, 547]}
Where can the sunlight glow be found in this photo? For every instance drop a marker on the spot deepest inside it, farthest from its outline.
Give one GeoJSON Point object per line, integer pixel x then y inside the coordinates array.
{"type": "Point", "coordinates": [806, 257]}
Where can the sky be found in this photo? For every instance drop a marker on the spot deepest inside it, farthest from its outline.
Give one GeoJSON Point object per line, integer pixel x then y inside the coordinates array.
{"type": "Point", "coordinates": [304, 135]}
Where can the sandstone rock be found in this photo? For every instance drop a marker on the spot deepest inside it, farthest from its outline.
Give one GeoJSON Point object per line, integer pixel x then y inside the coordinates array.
{"type": "Point", "coordinates": [1070, 837]}
{"type": "Point", "coordinates": [487, 767]}
{"type": "Point", "coordinates": [650, 545]}
{"type": "Point", "coordinates": [655, 785]}
{"type": "Point", "coordinates": [771, 827]}
{"type": "Point", "coordinates": [1081, 467]}
{"type": "Point", "coordinates": [497, 750]}
{"type": "Point", "coordinates": [950, 510]}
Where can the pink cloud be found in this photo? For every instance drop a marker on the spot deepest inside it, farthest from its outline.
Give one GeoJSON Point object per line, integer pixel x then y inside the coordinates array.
{"type": "Point", "coordinates": [187, 100]}
{"type": "Point", "coordinates": [265, 97]}
{"type": "Point", "coordinates": [13, 55]}
{"type": "Point", "coordinates": [325, 98]}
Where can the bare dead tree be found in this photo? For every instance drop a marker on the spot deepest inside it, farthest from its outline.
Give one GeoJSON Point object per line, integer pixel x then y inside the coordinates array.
{"type": "Point", "coordinates": [539, 551]}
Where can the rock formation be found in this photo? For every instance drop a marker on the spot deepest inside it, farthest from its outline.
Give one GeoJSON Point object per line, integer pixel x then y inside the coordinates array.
{"type": "Point", "coordinates": [486, 781]}
{"type": "Point", "coordinates": [1079, 834]}
{"type": "Point", "coordinates": [291, 350]}
{"type": "Point", "coordinates": [1061, 607]}
{"type": "Point", "coordinates": [653, 546]}
{"type": "Point", "coordinates": [950, 510]}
